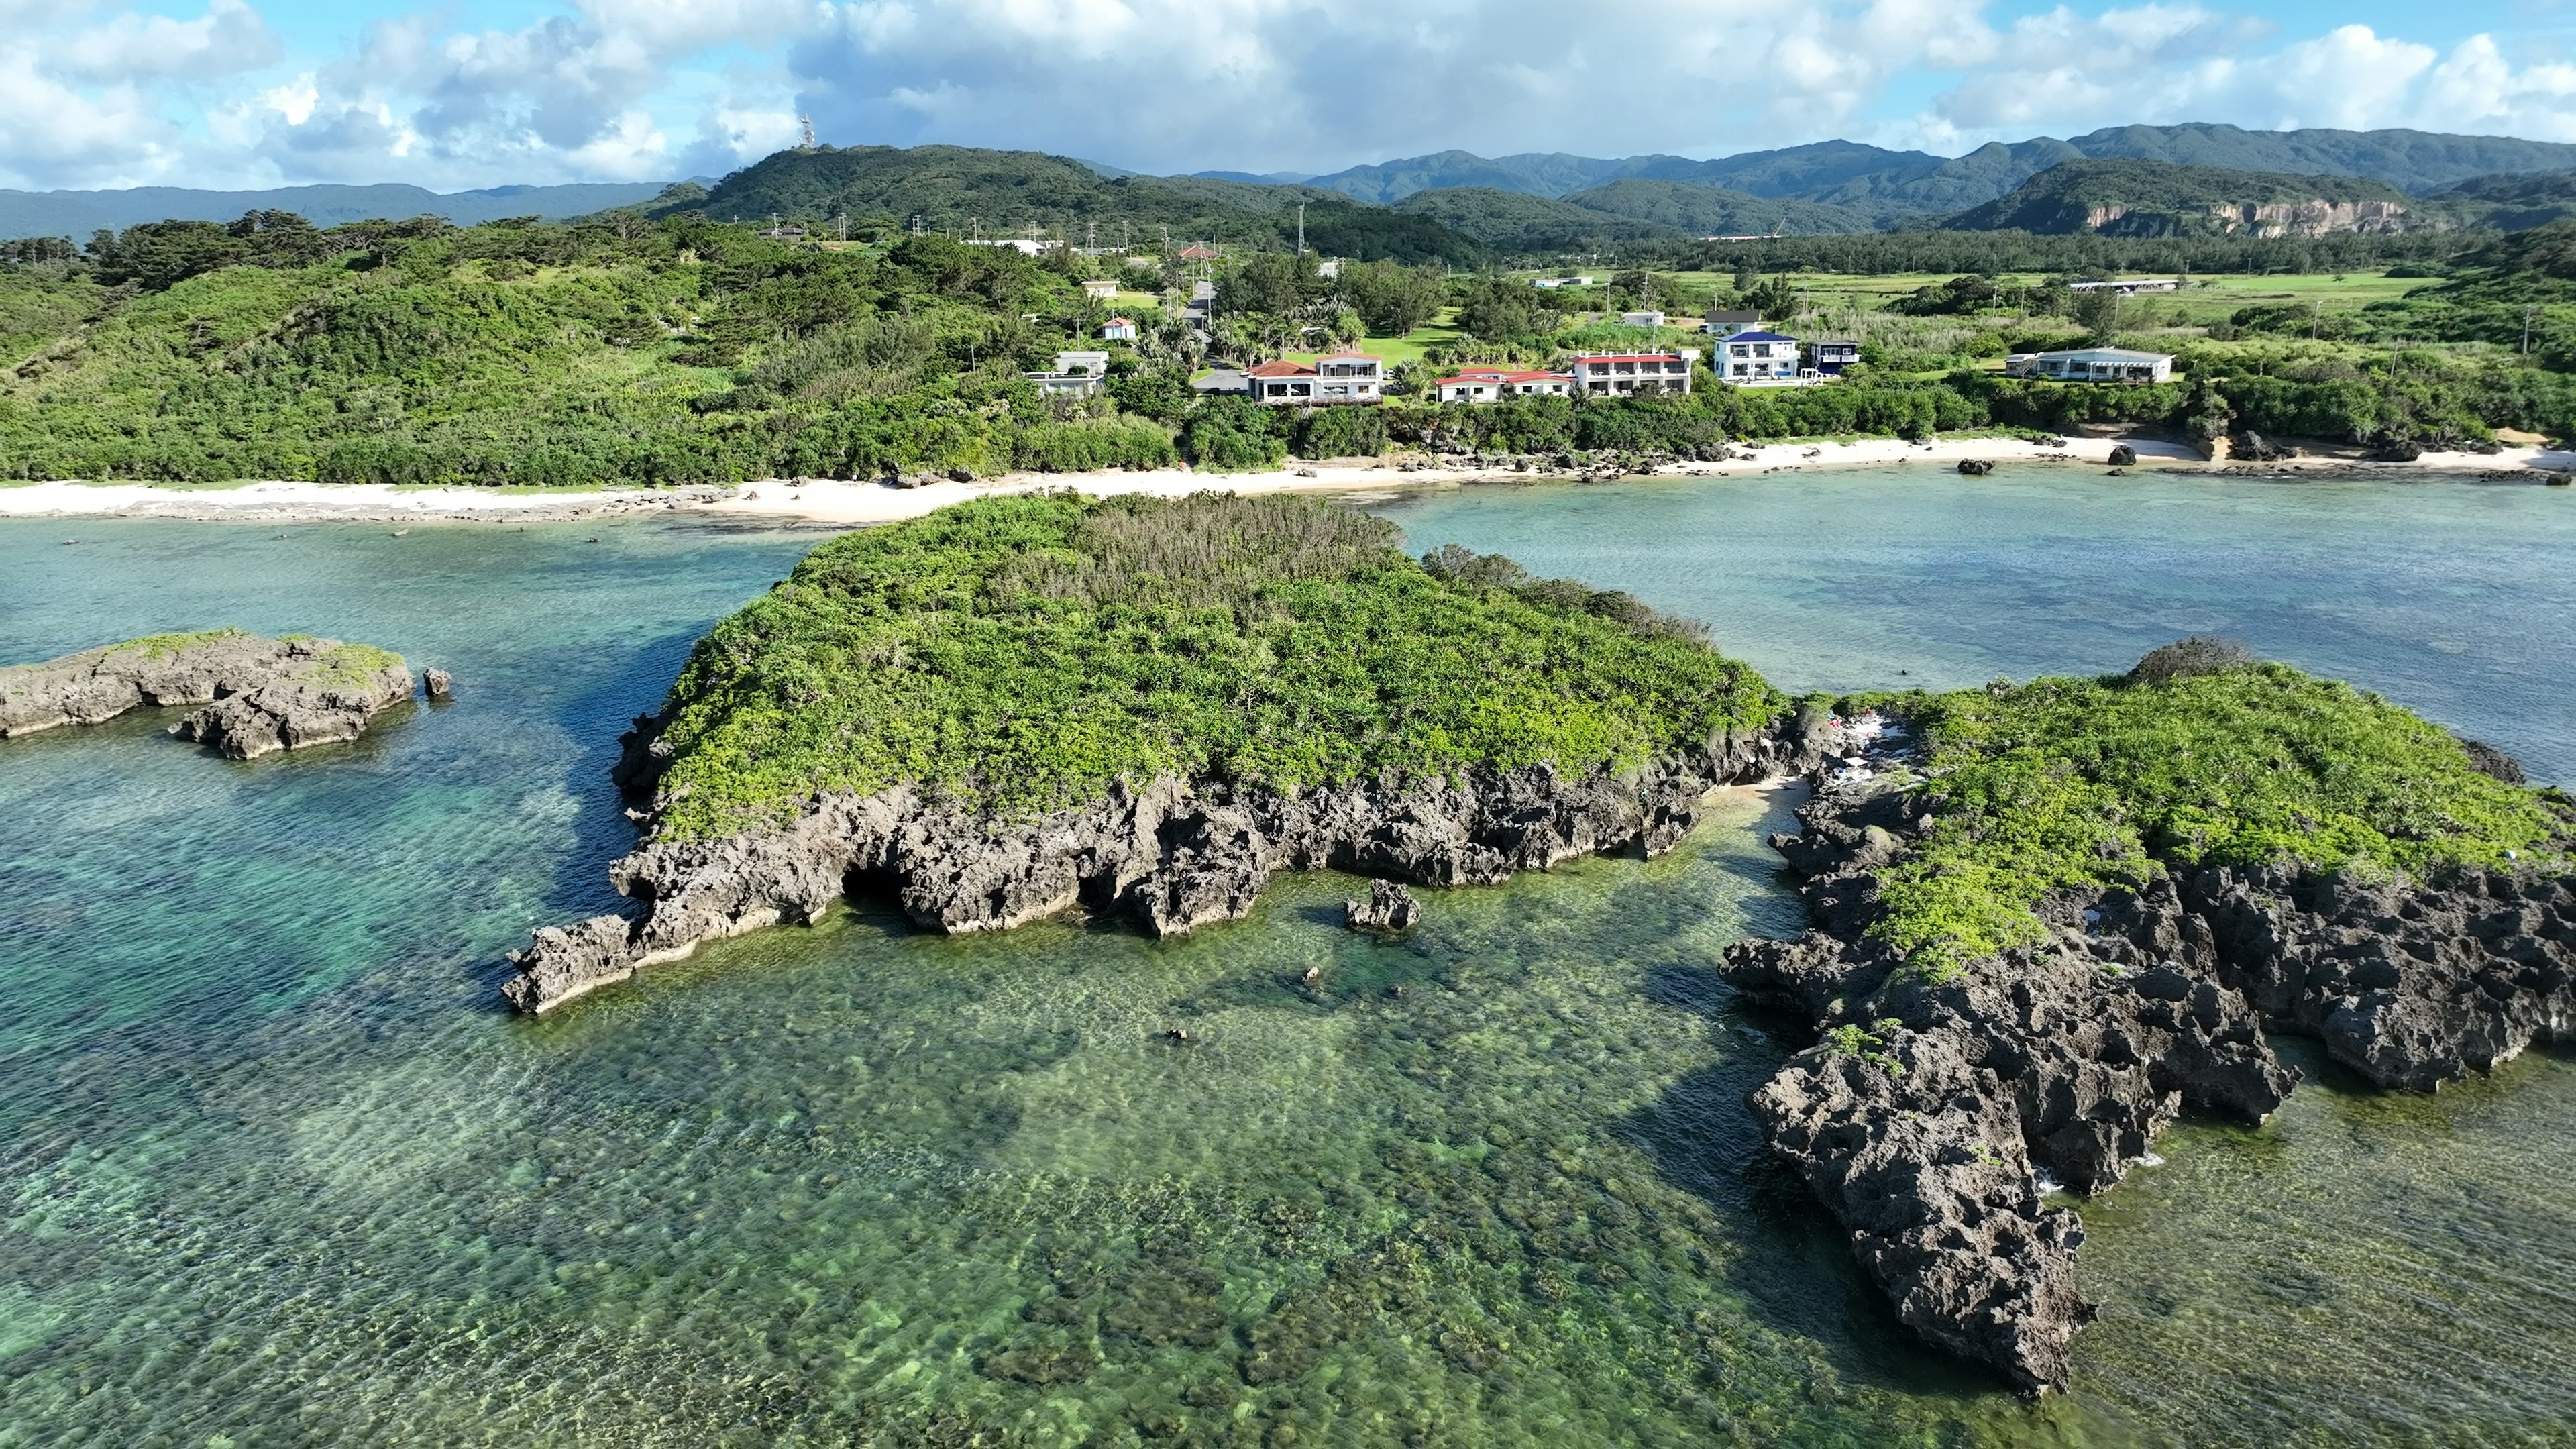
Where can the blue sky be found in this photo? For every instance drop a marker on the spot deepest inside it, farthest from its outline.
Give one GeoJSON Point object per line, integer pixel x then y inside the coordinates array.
{"type": "Point", "coordinates": [230, 93]}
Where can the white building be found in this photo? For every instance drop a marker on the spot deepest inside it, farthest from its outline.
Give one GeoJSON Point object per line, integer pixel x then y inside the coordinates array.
{"type": "Point", "coordinates": [1100, 289]}
{"type": "Point", "coordinates": [1077, 374]}
{"type": "Point", "coordinates": [1634, 374]}
{"type": "Point", "coordinates": [1022, 245]}
{"type": "Point", "coordinates": [1118, 329]}
{"type": "Point", "coordinates": [1641, 319]}
{"type": "Point", "coordinates": [2129, 288]}
{"type": "Point", "coordinates": [1757, 359]}
{"type": "Point", "coordinates": [1549, 283]}
{"type": "Point", "coordinates": [1343, 377]}
{"type": "Point", "coordinates": [2092, 364]}
{"type": "Point", "coordinates": [1727, 324]}
{"type": "Point", "coordinates": [1493, 384]}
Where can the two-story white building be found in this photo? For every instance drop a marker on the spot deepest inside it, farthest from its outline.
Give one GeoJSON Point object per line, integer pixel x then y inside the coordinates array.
{"type": "Point", "coordinates": [1342, 377]}
{"type": "Point", "coordinates": [1756, 359]}
{"type": "Point", "coordinates": [1634, 374]}
{"type": "Point", "coordinates": [1493, 384]}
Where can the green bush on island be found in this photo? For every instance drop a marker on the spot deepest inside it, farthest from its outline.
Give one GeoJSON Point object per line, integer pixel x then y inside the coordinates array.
{"type": "Point", "coordinates": [2085, 784]}
{"type": "Point", "coordinates": [1026, 652]}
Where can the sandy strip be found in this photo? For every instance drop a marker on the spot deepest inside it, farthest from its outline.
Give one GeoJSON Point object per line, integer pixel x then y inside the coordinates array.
{"type": "Point", "coordinates": [328, 502]}
{"type": "Point", "coordinates": [827, 501]}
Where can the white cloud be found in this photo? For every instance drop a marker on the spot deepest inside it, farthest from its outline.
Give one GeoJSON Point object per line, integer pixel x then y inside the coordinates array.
{"type": "Point", "coordinates": [95, 92]}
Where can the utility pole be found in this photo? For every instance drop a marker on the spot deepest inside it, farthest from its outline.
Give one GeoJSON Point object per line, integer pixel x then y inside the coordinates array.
{"type": "Point", "coordinates": [1301, 228]}
{"type": "Point", "coordinates": [1091, 236]}
{"type": "Point", "coordinates": [841, 225]}
{"type": "Point", "coordinates": [2526, 329]}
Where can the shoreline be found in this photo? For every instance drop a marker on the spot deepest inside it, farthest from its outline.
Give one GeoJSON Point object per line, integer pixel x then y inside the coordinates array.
{"type": "Point", "coordinates": [827, 501]}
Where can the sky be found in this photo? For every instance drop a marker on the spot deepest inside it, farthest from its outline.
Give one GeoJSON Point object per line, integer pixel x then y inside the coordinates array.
{"type": "Point", "coordinates": [474, 93]}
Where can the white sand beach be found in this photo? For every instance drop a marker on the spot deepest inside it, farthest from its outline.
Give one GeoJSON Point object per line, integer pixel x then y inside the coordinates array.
{"type": "Point", "coordinates": [835, 502]}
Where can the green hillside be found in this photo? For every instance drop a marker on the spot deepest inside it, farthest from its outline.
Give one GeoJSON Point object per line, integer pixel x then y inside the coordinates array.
{"type": "Point", "coordinates": [2157, 198]}
{"type": "Point", "coordinates": [1713, 211]}
{"type": "Point", "coordinates": [681, 352]}
{"type": "Point", "coordinates": [1512, 221]}
{"type": "Point", "coordinates": [961, 190]}
{"type": "Point", "coordinates": [2508, 203]}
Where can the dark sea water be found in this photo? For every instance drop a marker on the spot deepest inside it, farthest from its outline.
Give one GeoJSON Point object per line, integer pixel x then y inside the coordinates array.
{"type": "Point", "coordinates": [279, 1171]}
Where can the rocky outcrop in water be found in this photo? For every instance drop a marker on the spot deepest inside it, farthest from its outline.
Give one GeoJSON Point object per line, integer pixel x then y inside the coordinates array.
{"type": "Point", "coordinates": [257, 695]}
{"type": "Point", "coordinates": [1169, 857]}
{"type": "Point", "coordinates": [1389, 907]}
{"type": "Point", "coordinates": [1926, 1115]}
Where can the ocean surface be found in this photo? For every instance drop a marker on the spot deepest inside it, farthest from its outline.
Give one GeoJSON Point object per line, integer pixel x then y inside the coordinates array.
{"type": "Point", "coordinates": [279, 1170]}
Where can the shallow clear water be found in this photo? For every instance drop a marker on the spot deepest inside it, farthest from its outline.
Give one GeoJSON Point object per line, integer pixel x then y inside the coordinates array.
{"type": "Point", "coordinates": [279, 1170]}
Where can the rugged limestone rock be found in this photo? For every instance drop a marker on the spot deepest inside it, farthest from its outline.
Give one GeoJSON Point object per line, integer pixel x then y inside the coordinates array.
{"type": "Point", "coordinates": [1389, 907]}
{"type": "Point", "coordinates": [1925, 1115]}
{"type": "Point", "coordinates": [2123, 456]}
{"type": "Point", "coordinates": [437, 683]}
{"type": "Point", "coordinates": [258, 695]}
{"type": "Point", "coordinates": [1169, 857]}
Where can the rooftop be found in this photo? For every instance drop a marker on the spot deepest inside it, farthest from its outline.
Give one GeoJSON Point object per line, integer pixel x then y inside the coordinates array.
{"type": "Point", "coordinates": [1760, 337]}
{"type": "Point", "coordinates": [1279, 369]}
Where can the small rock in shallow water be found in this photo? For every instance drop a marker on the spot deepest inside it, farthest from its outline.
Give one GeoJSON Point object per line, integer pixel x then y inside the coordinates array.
{"type": "Point", "coordinates": [1389, 907]}
{"type": "Point", "coordinates": [438, 682]}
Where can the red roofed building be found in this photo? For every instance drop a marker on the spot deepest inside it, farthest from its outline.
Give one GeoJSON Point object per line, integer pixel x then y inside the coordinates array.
{"type": "Point", "coordinates": [1343, 377]}
{"type": "Point", "coordinates": [1634, 374]}
{"type": "Point", "coordinates": [1492, 384]}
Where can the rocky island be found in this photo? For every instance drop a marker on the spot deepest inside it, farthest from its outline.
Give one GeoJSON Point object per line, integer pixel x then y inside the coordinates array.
{"type": "Point", "coordinates": [1144, 708]}
{"type": "Point", "coordinates": [255, 695]}
{"type": "Point", "coordinates": [2048, 918]}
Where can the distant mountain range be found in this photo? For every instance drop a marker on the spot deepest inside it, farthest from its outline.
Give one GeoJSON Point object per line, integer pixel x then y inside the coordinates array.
{"type": "Point", "coordinates": [1884, 187]}
{"type": "Point", "coordinates": [1459, 207]}
{"type": "Point", "coordinates": [78, 213]}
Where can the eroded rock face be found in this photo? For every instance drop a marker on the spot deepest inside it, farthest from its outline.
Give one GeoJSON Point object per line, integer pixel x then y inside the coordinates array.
{"type": "Point", "coordinates": [1389, 907]}
{"type": "Point", "coordinates": [1924, 1117]}
{"type": "Point", "coordinates": [1169, 857]}
{"type": "Point", "coordinates": [258, 695]}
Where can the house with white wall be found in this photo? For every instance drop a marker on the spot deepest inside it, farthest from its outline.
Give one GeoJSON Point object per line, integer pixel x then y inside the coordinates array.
{"type": "Point", "coordinates": [1342, 377]}
{"type": "Point", "coordinates": [1493, 384]}
{"type": "Point", "coordinates": [1634, 374]}
{"type": "Point", "coordinates": [2092, 364]}
{"type": "Point", "coordinates": [1756, 359]}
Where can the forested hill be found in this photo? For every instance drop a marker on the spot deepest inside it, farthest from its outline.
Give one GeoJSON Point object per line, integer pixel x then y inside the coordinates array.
{"type": "Point", "coordinates": [79, 213]}
{"type": "Point", "coordinates": [2158, 198]}
{"type": "Point", "coordinates": [961, 190]}
{"type": "Point", "coordinates": [1894, 186]}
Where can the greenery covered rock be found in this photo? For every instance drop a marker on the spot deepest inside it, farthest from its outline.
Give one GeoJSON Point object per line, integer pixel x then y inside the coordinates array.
{"type": "Point", "coordinates": [2050, 917]}
{"type": "Point", "coordinates": [1015, 706]}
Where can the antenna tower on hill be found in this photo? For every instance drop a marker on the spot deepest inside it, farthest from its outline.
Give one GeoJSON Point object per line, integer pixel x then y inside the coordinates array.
{"type": "Point", "coordinates": [805, 125]}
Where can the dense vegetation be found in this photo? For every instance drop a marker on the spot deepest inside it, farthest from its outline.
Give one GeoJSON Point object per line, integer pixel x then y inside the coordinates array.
{"type": "Point", "coordinates": [2196, 759]}
{"type": "Point", "coordinates": [961, 191]}
{"type": "Point", "coordinates": [617, 350]}
{"type": "Point", "coordinates": [1028, 651]}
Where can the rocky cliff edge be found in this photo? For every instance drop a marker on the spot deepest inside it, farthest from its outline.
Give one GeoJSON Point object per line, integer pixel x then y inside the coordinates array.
{"type": "Point", "coordinates": [1927, 1116]}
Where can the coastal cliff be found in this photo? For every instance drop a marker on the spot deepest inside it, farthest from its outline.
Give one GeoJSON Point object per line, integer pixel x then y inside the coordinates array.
{"type": "Point", "coordinates": [1945, 1089]}
{"type": "Point", "coordinates": [256, 695]}
{"type": "Point", "coordinates": [1144, 708]}
{"type": "Point", "coordinates": [1167, 858]}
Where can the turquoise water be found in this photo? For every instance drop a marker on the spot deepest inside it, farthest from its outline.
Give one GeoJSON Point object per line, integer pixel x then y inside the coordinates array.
{"type": "Point", "coordinates": [279, 1171]}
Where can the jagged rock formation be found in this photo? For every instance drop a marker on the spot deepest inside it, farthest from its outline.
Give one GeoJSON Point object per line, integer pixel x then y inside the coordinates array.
{"type": "Point", "coordinates": [258, 695]}
{"type": "Point", "coordinates": [1389, 907]}
{"type": "Point", "coordinates": [1170, 856]}
{"type": "Point", "coordinates": [1925, 1116]}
